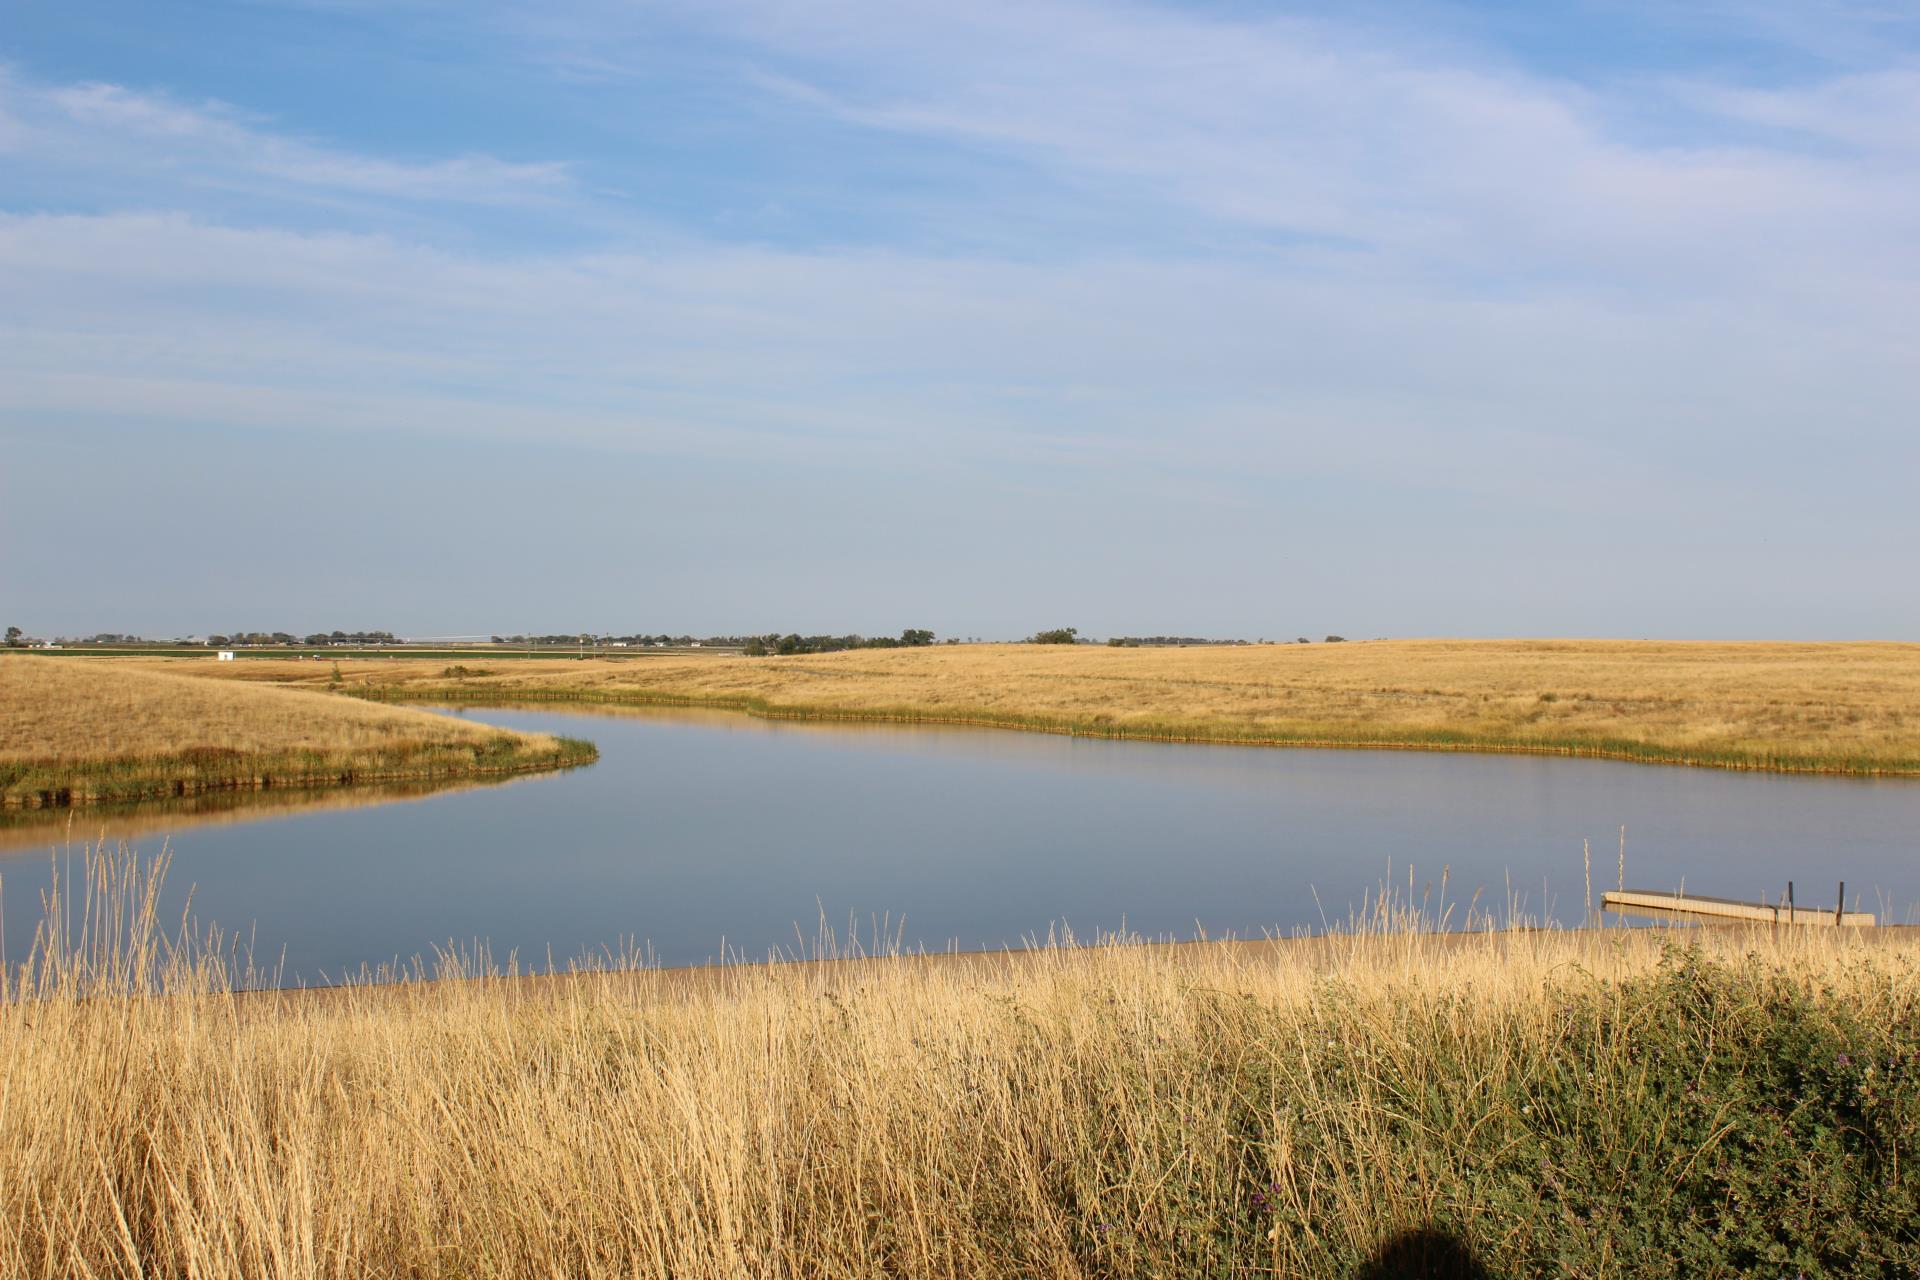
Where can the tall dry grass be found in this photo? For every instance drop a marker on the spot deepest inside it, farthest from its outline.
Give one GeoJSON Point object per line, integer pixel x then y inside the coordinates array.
{"type": "Point", "coordinates": [1593, 1105]}
{"type": "Point", "coordinates": [78, 730]}
{"type": "Point", "coordinates": [1852, 708]}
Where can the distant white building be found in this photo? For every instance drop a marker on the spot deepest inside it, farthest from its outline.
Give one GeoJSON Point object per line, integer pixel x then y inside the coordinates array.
{"type": "Point", "coordinates": [225, 655]}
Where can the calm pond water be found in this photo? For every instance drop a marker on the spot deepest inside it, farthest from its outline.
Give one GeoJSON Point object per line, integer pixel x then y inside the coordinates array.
{"type": "Point", "coordinates": [695, 832]}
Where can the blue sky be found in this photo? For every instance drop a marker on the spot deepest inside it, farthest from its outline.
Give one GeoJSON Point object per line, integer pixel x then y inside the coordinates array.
{"type": "Point", "coordinates": [1222, 318]}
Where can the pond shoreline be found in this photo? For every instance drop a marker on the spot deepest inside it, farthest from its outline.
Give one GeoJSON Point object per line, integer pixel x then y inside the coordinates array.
{"type": "Point", "coordinates": [1321, 951]}
{"type": "Point", "coordinates": [1445, 741]}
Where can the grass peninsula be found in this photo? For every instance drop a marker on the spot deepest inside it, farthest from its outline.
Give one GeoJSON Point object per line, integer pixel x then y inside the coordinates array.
{"type": "Point", "coordinates": [1842, 708]}
{"type": "Point", "coordinates": [76, 731]}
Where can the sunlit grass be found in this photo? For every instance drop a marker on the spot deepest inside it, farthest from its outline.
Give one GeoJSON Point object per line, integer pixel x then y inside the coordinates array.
{"type": "Point", "coordinates": [1598, 1104]}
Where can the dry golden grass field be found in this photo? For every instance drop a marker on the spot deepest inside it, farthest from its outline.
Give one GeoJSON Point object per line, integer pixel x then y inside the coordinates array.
{"type": "Point", "coordinates": [75, 730]}
{"type": "Point", "coordinates": [1852, 708]}
{"type": "Point", "coordinates": [1604, 1104]}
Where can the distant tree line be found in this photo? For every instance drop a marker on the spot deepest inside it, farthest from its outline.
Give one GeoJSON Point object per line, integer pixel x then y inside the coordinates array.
{"type": "Point", "coordinates": [1147, 642]}
{"type": "Point", "coordinates": [316, 640]}
{"type": "Point", "coordinates": [754, 645]}
{"type": "Point", "coordinates": [791, 643]}
{"type": "Point", "coordinates": [639, 640]}
{"type": "Point", "coordinates": [351, 637]}
{"type": "Point", "coordinates": [102, 637]}
{"type": "Point", "coordinates": [1151, 642]}
{"type": "Point", "coordinates": [17, 639]}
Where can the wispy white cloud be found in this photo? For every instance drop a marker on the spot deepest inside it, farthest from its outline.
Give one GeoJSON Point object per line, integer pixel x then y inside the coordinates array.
{"type": "Point", "coordinates": [1101, 367]}
{"type": "Point", "coordinates": [1838, 33]}
{"type": "Point", "coordinates": [1436, 159]}
{"type": "Point", "coordinates": [1485, 238]}
{"type": "Point", "coordinates": [112, 128]}
{"type": "Point", "coordinates": [1869, 115]}
{"type": "Point", "coordinates": [13, 130]}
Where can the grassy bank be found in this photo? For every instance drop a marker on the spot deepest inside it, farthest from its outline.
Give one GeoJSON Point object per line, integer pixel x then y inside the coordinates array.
{"type": "Point", "coordinates": [1593, 1105]}
{"type": "Point", "coordinates": [84, 732]}
{"type": "Point", "coordinates": [1828, 708]}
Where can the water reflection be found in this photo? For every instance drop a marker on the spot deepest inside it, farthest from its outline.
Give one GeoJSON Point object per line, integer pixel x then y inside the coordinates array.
{"type": "Point", "coordinates": [40, 830]}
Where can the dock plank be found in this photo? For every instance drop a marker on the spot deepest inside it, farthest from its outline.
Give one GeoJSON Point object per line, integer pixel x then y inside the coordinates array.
{"type": "Point", "coordinates": [1655, 902]}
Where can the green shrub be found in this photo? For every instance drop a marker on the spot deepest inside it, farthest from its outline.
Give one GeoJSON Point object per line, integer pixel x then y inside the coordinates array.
{"type": "Point", "coordinates": [1700, 1121]}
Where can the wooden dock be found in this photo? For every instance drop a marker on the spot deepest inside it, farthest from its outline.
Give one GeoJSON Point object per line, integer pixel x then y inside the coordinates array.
{"type": "Point", "coordinates": [1728, 910]}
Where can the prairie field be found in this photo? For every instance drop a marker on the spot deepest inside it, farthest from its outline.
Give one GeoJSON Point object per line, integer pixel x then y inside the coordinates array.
{"type": "Point", "coordinates": [1599, 1104]}
{"type": "Point", "coordinates": [78, 731]}
{"type": "Point", "coordinates": [1842, 708]}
